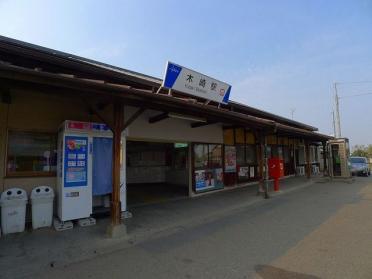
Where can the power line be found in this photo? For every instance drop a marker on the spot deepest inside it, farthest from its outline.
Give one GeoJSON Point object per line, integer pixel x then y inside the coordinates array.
{"type": "Point", "coordinates": [356, 95]}
{"type": "Point", "coordinates": [354, 82]}
{"type": "Point", "coordinates": [337, 121]}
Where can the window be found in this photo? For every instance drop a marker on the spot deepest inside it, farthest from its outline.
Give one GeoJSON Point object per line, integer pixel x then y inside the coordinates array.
{"type": "Point", "coordinates": [274, 151]}
{"type": "Point", "coordinates": [215, 156]}
{"type": "Point", "coordinates": [240, 154]}
{"type": "Point", "coordinates": [201, 156]}
{"type": "Point", "coordinates": [286, 154]}
{"type": "Point", "coordinates": [31, 154]}
{"type": "Point", "coordinates": [251, 154]}
{"type": "Point", "coordinates": [301, 155]}
{"type": "Point", "coordinates": [208, 156]}
{"type": "Point", "coordinates": [268, 151]}
{"type": "Point", "coordinates": [280, 152]}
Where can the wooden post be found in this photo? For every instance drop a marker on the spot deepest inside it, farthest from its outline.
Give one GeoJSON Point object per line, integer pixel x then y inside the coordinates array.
{"type": "Point", "coordinates": [117, 129]}
{"type": "Point", "coordinates": [308, 167]}
{"type": "Point", "coordinates": [260, 162]}
{"type": "Point", "coordinates": [325, 167]}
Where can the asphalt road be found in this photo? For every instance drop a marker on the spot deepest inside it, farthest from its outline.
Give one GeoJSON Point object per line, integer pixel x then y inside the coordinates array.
{"type": "Point", "coordinates": [321, 231]}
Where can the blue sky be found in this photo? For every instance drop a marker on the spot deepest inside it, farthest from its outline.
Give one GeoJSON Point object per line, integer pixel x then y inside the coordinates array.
{"type": "Point", "coordinates": [277, 55]}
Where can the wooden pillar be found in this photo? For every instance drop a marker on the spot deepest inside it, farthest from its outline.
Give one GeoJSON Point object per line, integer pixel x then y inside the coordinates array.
{"type": "Point", "coordinates": [307, 154]}
{"type": "Point", "coordinates": [260, 161]}
{"type": "Point", "coordinates": [325, 155]}
{"type": "Point", "coordinates": [118, 124]}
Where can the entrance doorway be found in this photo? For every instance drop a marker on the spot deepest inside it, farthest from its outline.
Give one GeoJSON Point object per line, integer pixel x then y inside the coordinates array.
{"type": "Point", "coordinates": [156, 171]}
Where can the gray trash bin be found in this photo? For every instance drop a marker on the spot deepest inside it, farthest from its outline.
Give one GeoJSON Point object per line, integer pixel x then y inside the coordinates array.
{"type": "Point", "coordinates": [42, 206]}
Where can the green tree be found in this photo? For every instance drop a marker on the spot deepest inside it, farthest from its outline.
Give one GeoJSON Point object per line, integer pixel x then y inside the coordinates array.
{"type": "Point", "coordinates": [362, 151]}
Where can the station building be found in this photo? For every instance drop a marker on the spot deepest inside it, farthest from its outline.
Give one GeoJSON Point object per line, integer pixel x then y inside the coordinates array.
{"type": "Point", "coordinates": [176, 145]}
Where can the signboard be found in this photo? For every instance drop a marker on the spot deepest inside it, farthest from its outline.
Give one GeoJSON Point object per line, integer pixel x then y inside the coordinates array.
{"type": "Point", "coordinates": [230, 158]}
{"type": "Point", "coordinates": [194, 83]}
{"type": "Point", "coordinates": [85, 126]}
{"type": "Point", "coordinates": [180, 145]}
{"type": "Point", "coordinates": [75, 164]}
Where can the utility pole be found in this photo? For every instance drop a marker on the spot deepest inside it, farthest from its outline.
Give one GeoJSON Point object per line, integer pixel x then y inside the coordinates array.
{"type": "Point", "coordinates": [338, 124]}
{"type": "Point", "coordinates": [334, 123]}
{"type": "Point", "coordinates": [292, 112]}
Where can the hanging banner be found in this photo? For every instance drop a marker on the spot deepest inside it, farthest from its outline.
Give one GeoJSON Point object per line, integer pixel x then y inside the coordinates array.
{"type": "Point", "coordinates": [194, 83]}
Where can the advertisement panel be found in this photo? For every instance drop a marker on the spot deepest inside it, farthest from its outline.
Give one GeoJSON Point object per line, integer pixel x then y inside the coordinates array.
{"type": "Point", "coordinates": [75, 163]}
{"type": "Point", "coordinates": [208, 179]}
{"type": "Point", "coordinates": [196, 84]}
{"type": "Point", "coordinates": [230, 159]}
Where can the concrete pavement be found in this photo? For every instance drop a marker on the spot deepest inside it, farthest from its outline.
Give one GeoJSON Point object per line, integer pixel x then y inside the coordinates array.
{"type": "Point", "coordinates": [257, 238]}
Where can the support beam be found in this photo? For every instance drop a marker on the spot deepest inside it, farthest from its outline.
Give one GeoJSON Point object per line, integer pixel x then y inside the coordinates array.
{"type": "Point", "coordinates": [325, 155]}
{"type": "Point", "coordinates": [307, 153]}
{"type": "Point", "coordinates": [117, 129]}
{"type": "Point", "coordinates": [91, 108]}
{"type": "Point", "coordinates": [133, 117]}
{"type": "Point", "coordinates": [261, 158]}
{"type": "Point", "coordinates": [201, 124]}
{"type": "Point", "coordinates": [158, 117]}
{"type": "Point", "coordinates": [266, 169]}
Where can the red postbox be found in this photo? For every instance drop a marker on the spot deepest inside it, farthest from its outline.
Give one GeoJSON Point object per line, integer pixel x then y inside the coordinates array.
{"type": "Point", "coordinates": [276, 170]}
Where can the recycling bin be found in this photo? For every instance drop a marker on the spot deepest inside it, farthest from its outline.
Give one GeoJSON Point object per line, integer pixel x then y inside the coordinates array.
{"type": "Point", "coordinates": [13, 210]}
{"type": "Point", "coordinates": [42, 206]}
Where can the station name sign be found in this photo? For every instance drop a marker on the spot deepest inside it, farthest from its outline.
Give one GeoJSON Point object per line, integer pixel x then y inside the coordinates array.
{"type": "Point", "coordinates": [187, 81]}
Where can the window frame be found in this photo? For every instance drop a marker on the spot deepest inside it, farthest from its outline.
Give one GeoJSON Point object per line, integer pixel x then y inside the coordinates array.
{"type": "Point", "coordinates": [208, 165]}
{"type": "Point", "coordinates": [24, 174]}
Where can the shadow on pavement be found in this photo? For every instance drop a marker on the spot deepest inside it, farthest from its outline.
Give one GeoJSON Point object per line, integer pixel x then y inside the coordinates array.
{"type": "Point", "coordinates": [272, 272]}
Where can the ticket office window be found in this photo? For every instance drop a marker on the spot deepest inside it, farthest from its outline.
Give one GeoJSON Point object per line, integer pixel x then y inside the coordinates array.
{"type": "Point", "coordinates": [31, 154]}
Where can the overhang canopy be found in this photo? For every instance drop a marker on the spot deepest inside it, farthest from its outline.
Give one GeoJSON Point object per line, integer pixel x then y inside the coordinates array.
{"type": "Point", "coordinates": [23, 65]}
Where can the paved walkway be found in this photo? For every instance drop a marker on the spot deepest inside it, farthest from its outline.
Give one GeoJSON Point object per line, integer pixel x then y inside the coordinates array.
{"type": "Point", "coordinates": [341, 247]}
{"type": "Point", "coordinates": [321, 231]}
{"type": "Point", "coordinates": [24, 254]}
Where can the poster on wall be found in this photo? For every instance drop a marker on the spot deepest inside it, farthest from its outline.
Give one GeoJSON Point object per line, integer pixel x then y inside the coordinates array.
{"type": "Point", "coordinates": [75, 164]}
{"type": "Point", "coordinates": [243, 172]}
{"type": "Point", "coordinates": [199, 179]}
{"type": "Point", "coordinates": [230, 158]}
{"type": "Point", "coordinates": [208, 179]}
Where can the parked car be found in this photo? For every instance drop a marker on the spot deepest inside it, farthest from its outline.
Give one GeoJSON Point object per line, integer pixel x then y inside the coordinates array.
{"type": "Point", "coordinates": [359, 166]}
